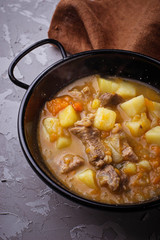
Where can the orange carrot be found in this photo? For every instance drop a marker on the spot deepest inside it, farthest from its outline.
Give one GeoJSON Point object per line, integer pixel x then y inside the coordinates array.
{"type": "Point", "coordinates": [78, 106]}
{"type": "Point", "coordinates": [149, 103]}
{"type": "Point", "coordinates": [56, 105]}
{"type": "Point", "coordinates": [117, 171]}
{"type": "Point", "coordinates": [53, 137]}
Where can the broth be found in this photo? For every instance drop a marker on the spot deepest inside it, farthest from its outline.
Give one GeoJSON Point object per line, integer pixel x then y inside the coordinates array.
{"type": "Point", "coordinates": [101, 139]}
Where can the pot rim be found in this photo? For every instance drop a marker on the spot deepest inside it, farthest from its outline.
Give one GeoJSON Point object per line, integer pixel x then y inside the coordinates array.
{"type": "Point", "coordinates": [53, 185]}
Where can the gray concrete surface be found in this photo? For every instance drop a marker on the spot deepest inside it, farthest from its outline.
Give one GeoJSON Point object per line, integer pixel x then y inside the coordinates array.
{"type": "Point", "coordinates": [28, 208]}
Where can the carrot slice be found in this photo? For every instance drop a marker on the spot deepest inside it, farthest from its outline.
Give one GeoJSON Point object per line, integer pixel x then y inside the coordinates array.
{"type": "Point", "coordinates": [53, 137]}
{"type": "Point", "coordinates": [56, 105]}
{"type": "Point", "coordinates": [149, 104]}
{"type": "Point", "coordinates": [78, 106]}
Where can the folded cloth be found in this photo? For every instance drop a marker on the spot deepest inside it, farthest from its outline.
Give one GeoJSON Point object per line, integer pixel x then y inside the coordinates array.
{"type": "Point", "coordinates": [106, 24]}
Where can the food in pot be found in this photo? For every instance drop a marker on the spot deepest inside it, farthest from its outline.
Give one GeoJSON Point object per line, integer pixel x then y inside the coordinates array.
{"type": "Point", "coordinates": [101, 138]}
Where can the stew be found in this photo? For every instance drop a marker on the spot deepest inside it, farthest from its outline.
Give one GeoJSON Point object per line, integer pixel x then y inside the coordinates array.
{"type": "Point", "coordinates": [101, 138]}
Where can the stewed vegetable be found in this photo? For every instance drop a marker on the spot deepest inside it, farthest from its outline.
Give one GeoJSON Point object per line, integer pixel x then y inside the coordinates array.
{"type": "Point", "coordinates": [101, 138]}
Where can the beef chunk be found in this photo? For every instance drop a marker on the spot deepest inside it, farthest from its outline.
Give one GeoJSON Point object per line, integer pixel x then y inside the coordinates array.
{"type": "Point", "coordinates": [76, 95]}
{"type": "Point", "coordinates": [86, 121]}
{"type": "Point", "coordinates": [82, 95]}
{"type": "Point", "coordinates": [95, 150]}
{"type": "Point", "coordinates": [109, 177]}
{"type": "Point", "coordinates": [128, 153]}
{"type": "Point", "coordinates": [126, 150]}
{"type": "Point", "coordinates": [117, 128]}
{"type": "Point", "coordinates": [124, 181]}
{"type": "Point", "coordinates": [86, 91]}
{"type": "Point", "coordinates": [71, 162]}
{"type": "Point", "coordinates": [110, 99]}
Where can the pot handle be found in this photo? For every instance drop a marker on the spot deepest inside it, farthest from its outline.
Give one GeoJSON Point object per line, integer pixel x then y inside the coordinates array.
{"type": "Point", "coordinates": [25, 52]}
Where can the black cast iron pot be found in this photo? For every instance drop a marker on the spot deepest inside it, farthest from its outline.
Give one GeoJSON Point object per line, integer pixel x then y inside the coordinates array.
{"type": "Point", "coordinates": [104, 62]}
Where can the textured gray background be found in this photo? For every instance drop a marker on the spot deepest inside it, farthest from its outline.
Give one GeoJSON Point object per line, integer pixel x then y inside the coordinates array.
{"type": "Point", "coordinates": [28, 208]}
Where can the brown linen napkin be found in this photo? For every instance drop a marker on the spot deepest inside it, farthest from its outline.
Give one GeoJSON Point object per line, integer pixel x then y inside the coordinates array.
{"type": "Point", "coordinates": [82, 25]}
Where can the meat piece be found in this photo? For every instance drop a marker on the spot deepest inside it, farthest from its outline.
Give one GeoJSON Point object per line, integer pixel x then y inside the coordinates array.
{"type": "Point", "coordinates": [71, 162]}
{"type": "Point", "coordinates": [105, 98]}
{"type": "Point", "coordinates": [124, 181]}
{"type": "Point", "coordinates": [76, 95]}
{"type": "Point", "coordinates": [126, 150]}
{"type": "Point", "coordinates": [80, 95]}
{"type": "Point", "coordinates": [95, 150]}
{"type": "Point", "coordinates": [86, 91]}
{"type": "Point", "coordinates": [117, 128]}
{"type": "Point", "coordinates": [109, 177]}
{"type": "Point", "coordinates": [85, 121]}
{"type": "Point", "coordinates": [110, 99]}
{"type": "Point", "coordinates": [128, 153]}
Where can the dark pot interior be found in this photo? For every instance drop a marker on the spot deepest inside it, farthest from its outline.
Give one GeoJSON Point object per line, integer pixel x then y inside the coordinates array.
{"type": "Point", "coordinates": [46, 85]}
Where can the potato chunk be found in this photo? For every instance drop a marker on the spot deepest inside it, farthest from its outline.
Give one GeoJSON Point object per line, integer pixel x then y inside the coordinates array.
{"type": "Point", "coordinates": [68, 116]}
{"type": "Point", "coordinates": [96, 103]}
{"type": "Point", "coordinates": [153, 107]}
{"type": "Point", "coordinates": [52, 127]}
{"type": "Point", "coordinates": [139, 125]}
{"type": "Point", "coordinates": [63, 142]}
{"type": "Point", "coordinates": [153, 135]}
{"type": "Point", "coordinates": [144, 164]}
{"type": "Point", "coordinates": [130, 168]}
{"type": "Point", "coordinates": [134, 106]}
{"type": "Point", "coordinates": [107, 85]}
{"type": "Point", "coordinates": [104, 119]}
{"type": "Point", "coordinates": [126, 90]}
{"type": "Point", "coordinates": [88, 178]}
